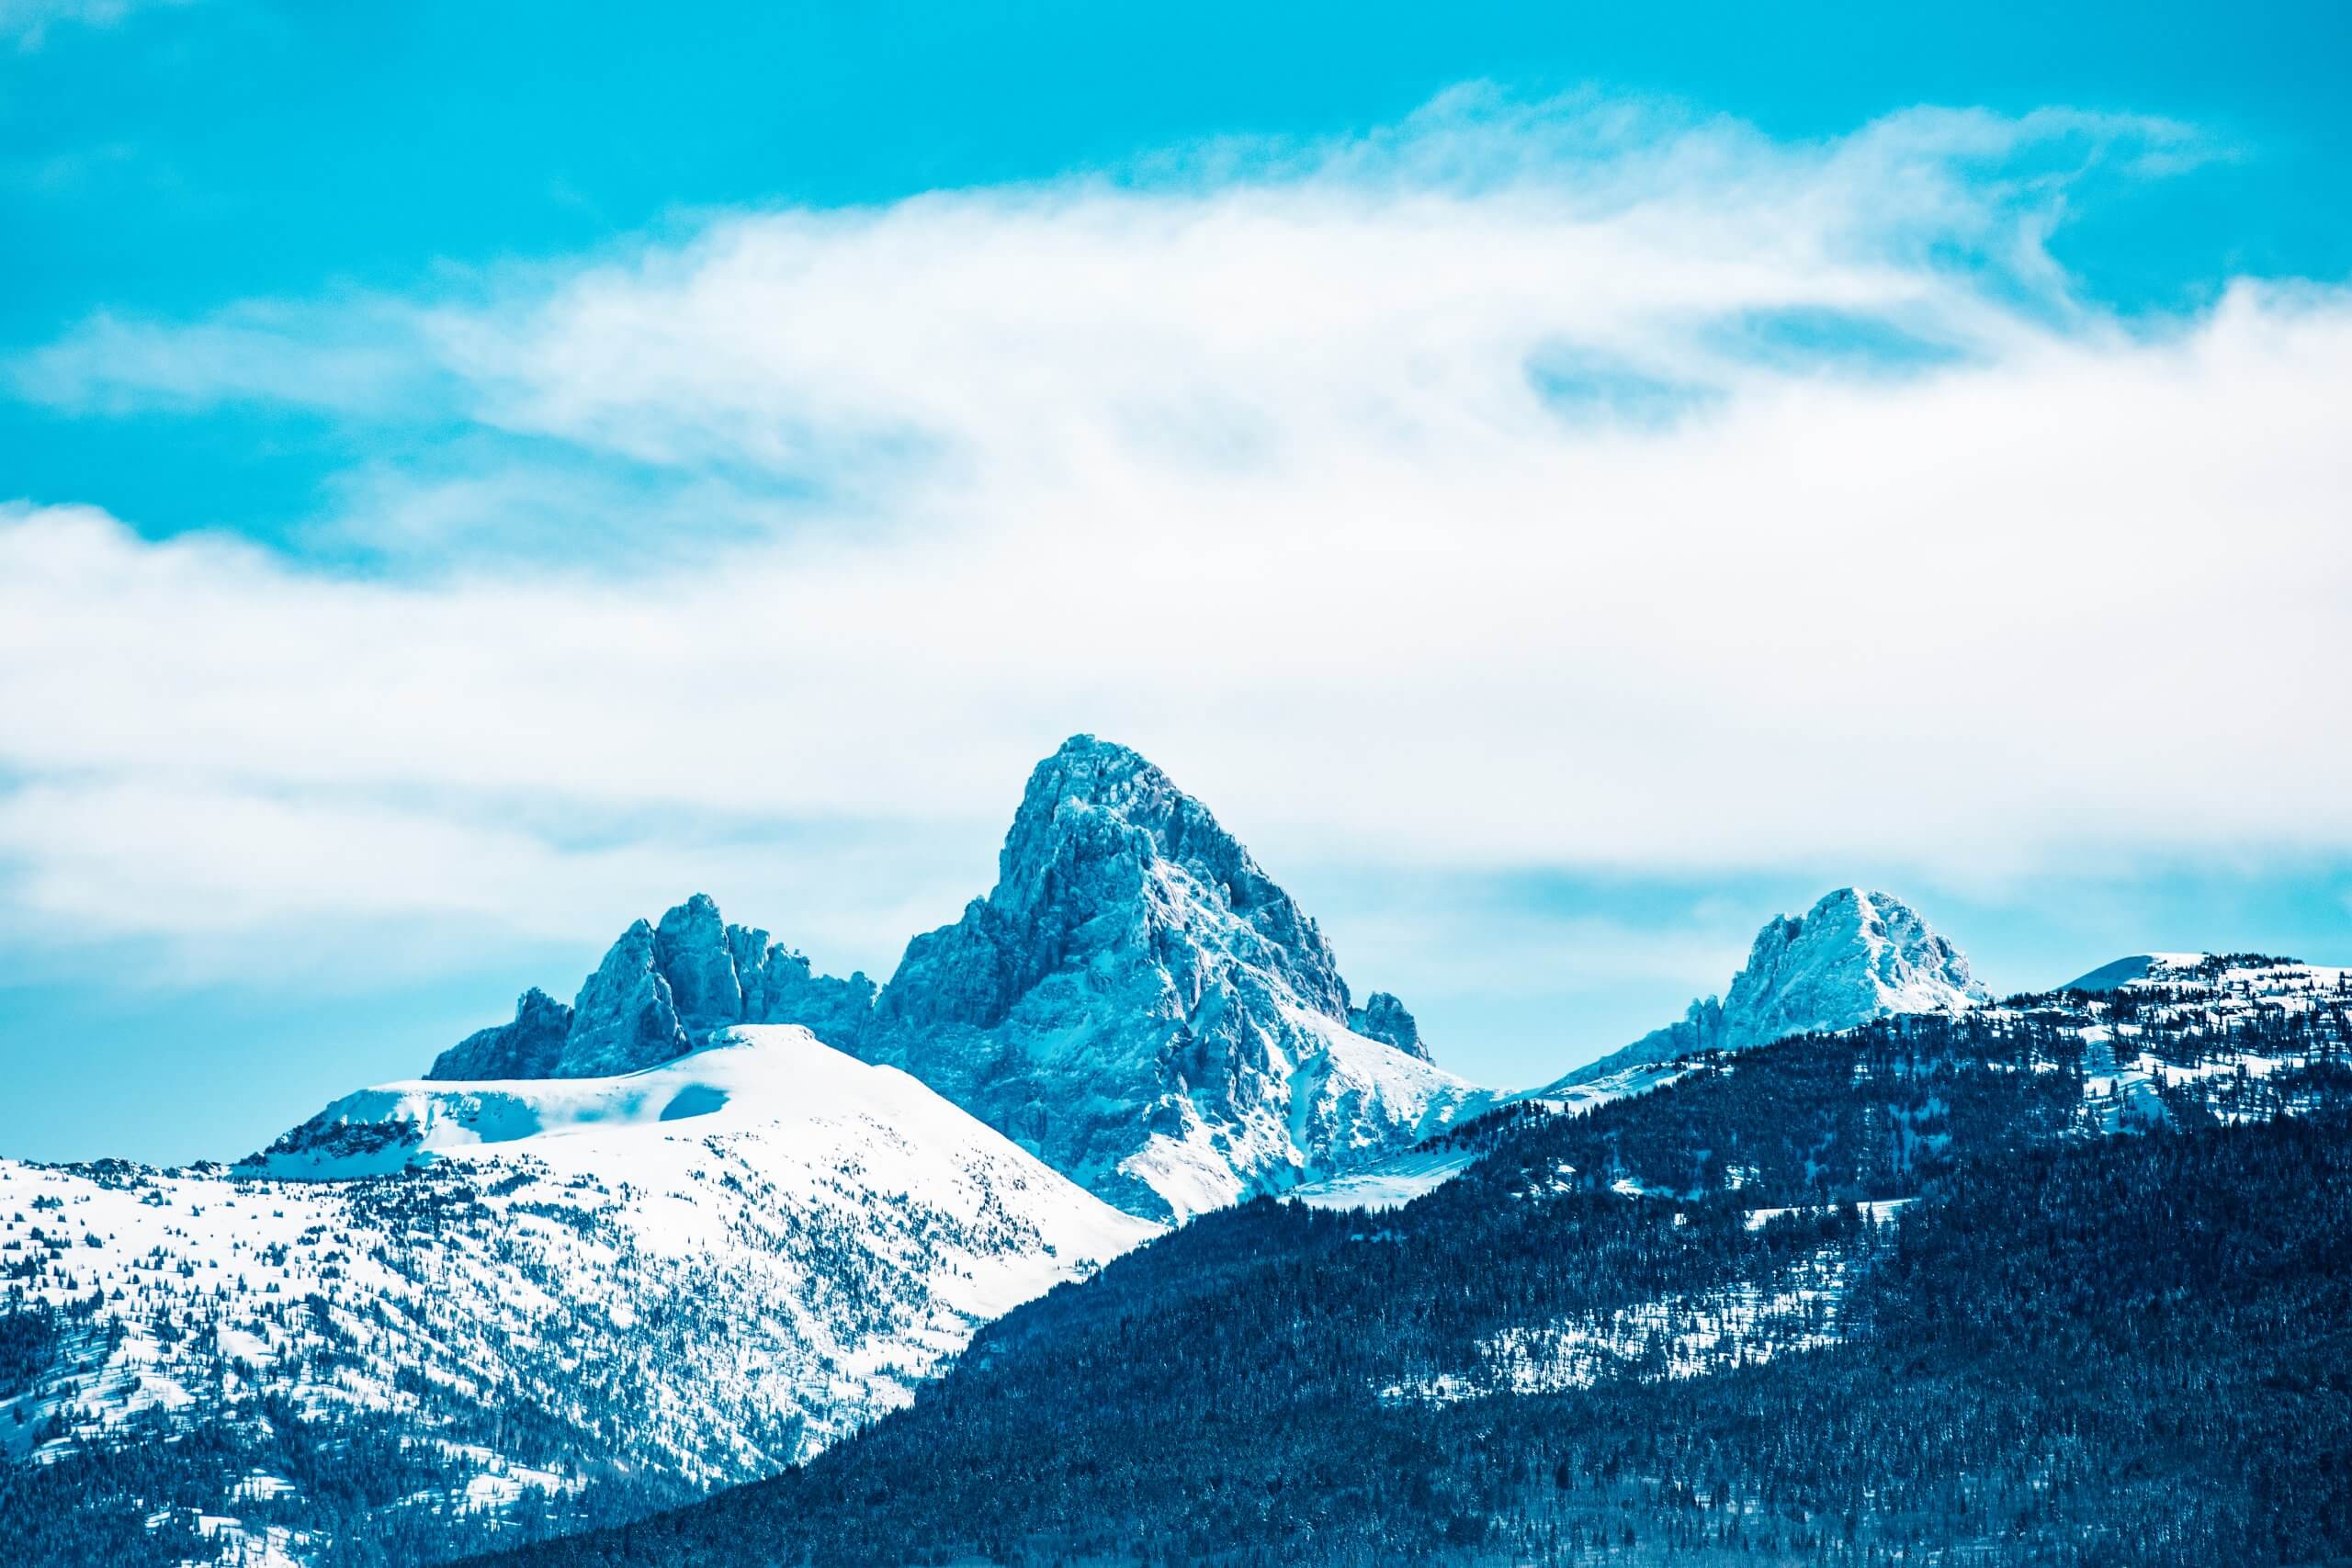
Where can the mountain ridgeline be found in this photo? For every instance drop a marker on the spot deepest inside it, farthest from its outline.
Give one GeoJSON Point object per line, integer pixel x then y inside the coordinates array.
{"type": "Point", "coordinates": [658, 991]}
{"type": "Point", "coordinates": [1135, 1001]}
{"type": "Point", "coordinates": [1117, 1225]}
{"type": "Point", "coordinates": [1140, 1004]}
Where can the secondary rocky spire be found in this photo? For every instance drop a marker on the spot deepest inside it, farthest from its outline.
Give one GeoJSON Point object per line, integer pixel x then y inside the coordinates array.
{"type": "Point", "coordinates": [1855, 955]}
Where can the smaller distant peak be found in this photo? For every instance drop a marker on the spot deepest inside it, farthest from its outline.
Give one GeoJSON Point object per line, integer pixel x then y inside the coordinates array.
{"type": "Point", "coordinates": [2141, 966]}
{"type": "Point", "coordinates": [1383, 1017]}
{"type": "Point", "coordinates": [2109, 976]}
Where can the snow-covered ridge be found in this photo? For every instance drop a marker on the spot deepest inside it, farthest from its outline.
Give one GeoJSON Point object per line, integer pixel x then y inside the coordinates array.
{"type": "Point", "coordinates": [2226, 1033]}
{"type": "Point", "coordinates": [766, 1077]}
{"type": "Point", "coordinates": [704, 1271]}
{"type": "Point", "coordinates": [2155, 966]}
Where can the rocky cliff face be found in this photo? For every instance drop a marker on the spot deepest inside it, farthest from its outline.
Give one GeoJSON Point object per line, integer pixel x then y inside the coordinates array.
{"type": "Point", "coordinates": [1140, 1003]}
{"type": "Point", "coordinates": [1854, 957]}
{"type": "Point", "coordinates": [527, 1048]}
{"type": "Point", "coordinates": [1383, 1017]}
{"type": "Point", "coordinates": [659, 991]}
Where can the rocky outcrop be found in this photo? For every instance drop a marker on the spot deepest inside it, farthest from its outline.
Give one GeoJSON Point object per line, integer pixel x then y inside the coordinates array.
{"type": "Point", "coordinates": [626, 1016]}
{"type": "Point", "coordinates": [659, 991]}
{"type": "Point", "coordinates": [1854, 957]}
{"type": "Point", "coordinates": [1383, 1017]}
{"type": "Point", "coordinates": [527, 1048]}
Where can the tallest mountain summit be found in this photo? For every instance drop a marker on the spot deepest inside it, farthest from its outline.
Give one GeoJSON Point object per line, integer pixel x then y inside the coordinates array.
{"type": "Point", "coordinates": [1138, 1002]}
{"type": "Point", "coordinates": [1105, 851]}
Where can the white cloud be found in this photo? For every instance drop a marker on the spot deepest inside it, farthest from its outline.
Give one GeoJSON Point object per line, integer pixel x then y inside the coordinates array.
{"type": "Point", "coordinates": [346, 358]}
{"type": "Point", "coordinates": [1243, 462]}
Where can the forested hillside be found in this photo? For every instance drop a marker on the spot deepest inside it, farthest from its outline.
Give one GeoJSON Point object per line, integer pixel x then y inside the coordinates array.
{"type": "Point", "coordinates": [1697, 1325]}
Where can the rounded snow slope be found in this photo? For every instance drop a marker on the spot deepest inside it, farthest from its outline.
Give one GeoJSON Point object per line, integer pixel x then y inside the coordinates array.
{"type": "Point", "coordinates": [703, 1272]}
{"type": "Point", "coordinates": [752, 1078]}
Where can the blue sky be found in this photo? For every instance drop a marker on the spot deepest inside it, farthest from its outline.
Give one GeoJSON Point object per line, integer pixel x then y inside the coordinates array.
{"type": "Point", "coordinates": [1566, 486]}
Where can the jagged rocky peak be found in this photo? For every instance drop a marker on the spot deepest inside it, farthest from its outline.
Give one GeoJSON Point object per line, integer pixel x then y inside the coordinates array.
{"type": "Point", "coordinates": [1105, 851]}
{"type": "Point", "coordinates": [627, 1015]}
{"type": "Point", "coordinates": [1854, 957]}
{"type": "Point", "coordinates": [658, 993]}
{"type": "Point", "coordinates": [692, 951]}
{"type": "Point", "coordinates": [1140, 1003]}
{"type": "Point", "coordinates": [1096, 816]}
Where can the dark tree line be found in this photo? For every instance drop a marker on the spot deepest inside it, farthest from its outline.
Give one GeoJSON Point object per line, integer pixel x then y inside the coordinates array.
{"type": "Point", "coordinates": [2071, 1350]}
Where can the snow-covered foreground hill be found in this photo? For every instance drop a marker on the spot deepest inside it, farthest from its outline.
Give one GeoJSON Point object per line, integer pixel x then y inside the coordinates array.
{"type": "Point", "coordinates": [694, 1274]}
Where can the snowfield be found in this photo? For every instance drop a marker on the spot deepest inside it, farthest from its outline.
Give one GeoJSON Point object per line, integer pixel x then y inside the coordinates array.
{"type": "Point", "coordinates": [707, 1270]}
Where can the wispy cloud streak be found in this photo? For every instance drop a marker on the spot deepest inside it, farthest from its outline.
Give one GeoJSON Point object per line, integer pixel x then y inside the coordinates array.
{"type": "Point", "coordinates": [1566, 484]}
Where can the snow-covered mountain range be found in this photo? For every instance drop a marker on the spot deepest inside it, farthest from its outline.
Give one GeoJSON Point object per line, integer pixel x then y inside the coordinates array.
{"type": "Point", "coordinates": [1135, 1001]}
{"type": "Point", "coordinates": [718, 1210]}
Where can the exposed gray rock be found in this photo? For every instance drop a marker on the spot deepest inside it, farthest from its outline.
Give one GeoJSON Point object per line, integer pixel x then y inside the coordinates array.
{"type": "Point", "coordinates": [659, 992]}
{"type": "Point", "coordinates": [692, 951]}
{"type": "Point", "coordinates": [1383, 1017]}
{"type": "Point", "coordinates": [626, 1016]}
{"type": "Point", "coordinates": [780, 986]}
{"type": "Point", "coordinates": [1140, 1003]}
{"type": "Point", "coordinates": [527, 1048]}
